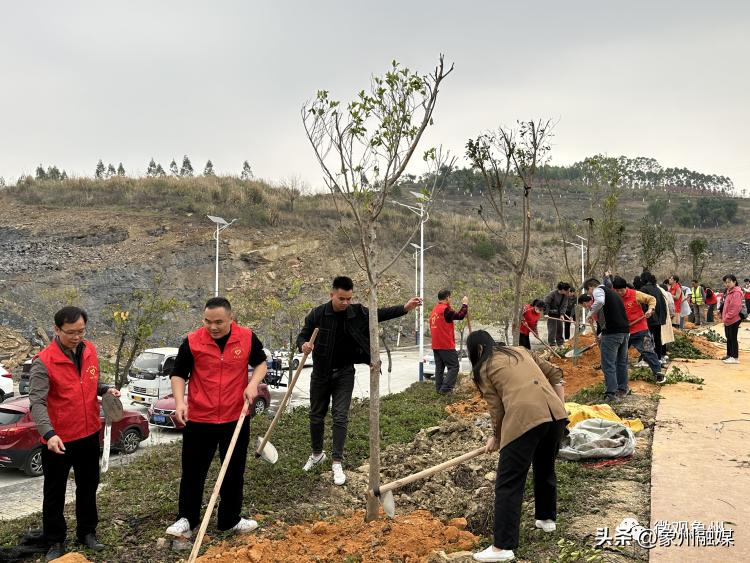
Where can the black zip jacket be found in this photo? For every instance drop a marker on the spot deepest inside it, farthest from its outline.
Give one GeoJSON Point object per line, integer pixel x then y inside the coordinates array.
{"type": "Point", "coordinates": [324, 319]}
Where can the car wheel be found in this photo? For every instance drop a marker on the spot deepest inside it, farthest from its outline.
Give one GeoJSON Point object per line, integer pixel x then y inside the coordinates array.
{"type": "Point", "coordinates": [130, 440]}
{"type": "Point", "coordinates": [295, 363]}
{"type": "Point", "coordinates": [259, 406]}
{"type": "Point", "coordinates": [33, 465]}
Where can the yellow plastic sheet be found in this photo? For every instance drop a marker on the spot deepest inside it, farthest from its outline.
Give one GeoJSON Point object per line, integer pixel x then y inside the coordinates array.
{"type": "Point", "coordinates": [583, 412]}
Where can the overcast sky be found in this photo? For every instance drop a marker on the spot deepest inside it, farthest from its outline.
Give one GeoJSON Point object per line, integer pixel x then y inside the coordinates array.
{"type": "Point", "coordinates": [130, 80]}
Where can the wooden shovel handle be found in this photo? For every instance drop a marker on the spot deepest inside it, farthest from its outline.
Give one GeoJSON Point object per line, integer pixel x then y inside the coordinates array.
{"type": "Point", "coordinates": [431, 470]}
{"type": "Point", "coordinates": [468, 322]}
{"type": "Point", "coordinates": [217, 486]}
{"type": "Point", "coordinates": [286, 398]}
{"type": "Point", "coordinates": [637, 320]}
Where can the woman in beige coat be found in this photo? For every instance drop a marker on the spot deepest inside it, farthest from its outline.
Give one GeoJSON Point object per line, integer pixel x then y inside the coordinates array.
{"type": "Point", "coordinates": [525, 398]}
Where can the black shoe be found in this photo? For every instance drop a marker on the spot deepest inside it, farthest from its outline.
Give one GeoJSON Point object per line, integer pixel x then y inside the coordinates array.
{"type": "Point", "coordinates": [612, 399]}
{"type": "Point", "coordinates": [90, 541]}
{"type": "Point", "coordinates": [55, 550]}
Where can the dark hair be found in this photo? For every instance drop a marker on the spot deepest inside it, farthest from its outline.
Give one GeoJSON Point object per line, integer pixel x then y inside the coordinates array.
{"type": "Point", "coordinates": [539, 303]}
{"type": "Point", "coordinates": [746, 279]}
{"type": "Point", "coordinates": [216, 302]}
{"type": "Point", "coordinates": [696, 281]}
{"type": "Point", "coordinates": [584, 299]}
{"type": "Point", "coordinates": [444, 294]}
{"type": "Point", "coordinates": [619, 283]}
{"type": "Point", "coordinates": [563, 286]}
{"type": "Point", "coordinates": [482, 338]}
{"type": "Point", "coordinates": [730, 277]}
{"type": "Point", "coordinates": [652, 279]}
{"type": "Point", "coordinates": [638, 282]}
{"type": "Point", "coordinates": [591, 282]}
{"type": "Point", "coordinates": [342, 282]}
{"type": "Point", "coordinates": [675, 277]}
{"type": "Point", "coordinates": [70, 315]}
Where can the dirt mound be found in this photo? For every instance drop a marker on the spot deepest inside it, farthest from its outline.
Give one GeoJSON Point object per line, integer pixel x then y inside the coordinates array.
{"type": "Point", "coordinates": [408, 538]}
{"type": "Point", "coordinates": [73, 558]}
{"type": "Point", "coordinates": [468, 407]}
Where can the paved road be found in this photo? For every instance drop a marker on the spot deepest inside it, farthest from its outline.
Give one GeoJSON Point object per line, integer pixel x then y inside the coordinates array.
{"type": "Point", "coordinates": [701, 456]}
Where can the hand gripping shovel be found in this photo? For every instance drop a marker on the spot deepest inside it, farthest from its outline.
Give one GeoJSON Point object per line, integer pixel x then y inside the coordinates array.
{"type": "Point", "coordinates": [112, 408]}
{"type": "Point", "coordinates": [385, 493]}
{"type": "Point", "coordinates": [266, 449]}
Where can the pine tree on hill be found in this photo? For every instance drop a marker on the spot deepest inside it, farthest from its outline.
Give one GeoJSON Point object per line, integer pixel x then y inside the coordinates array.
{"type": "Point", "coordinates": [173, 168]}
{"type": "Point", "coordinates": [209, 169]}
{"type": "Point", "coordinates": [247, 172]}
{"type": "Point", "coordinates": [111, 171]}
{"type": "Point", "coordinates": [100, 170]}
{"type": "Point", "coordinates": [187, 169]}
{"type": "Point", "coordinates": [40, 173]}
{"type": "Point", "coordinates": [151, 170]}
{"type": "Point", "coordinates": [121, 170]}
{"type": "Point", "coordinates": [160, 171]}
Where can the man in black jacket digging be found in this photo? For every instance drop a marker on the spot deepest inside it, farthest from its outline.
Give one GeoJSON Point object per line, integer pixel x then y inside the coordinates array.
{"type": "Point", "coordinates": [343, 340]}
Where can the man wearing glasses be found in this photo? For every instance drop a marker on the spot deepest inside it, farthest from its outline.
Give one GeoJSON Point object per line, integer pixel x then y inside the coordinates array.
{"type": "Point", "coordinates": [64, 385]}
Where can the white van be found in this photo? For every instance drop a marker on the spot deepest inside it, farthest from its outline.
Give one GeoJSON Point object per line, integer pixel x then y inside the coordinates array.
{"type": "Point", "coordinates": [148, 379]}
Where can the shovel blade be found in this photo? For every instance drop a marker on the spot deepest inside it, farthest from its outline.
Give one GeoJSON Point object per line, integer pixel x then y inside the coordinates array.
{"type": "Point", "coordinates": [268, 453]}
{"type": "Point", "coordinates": [389, 505]}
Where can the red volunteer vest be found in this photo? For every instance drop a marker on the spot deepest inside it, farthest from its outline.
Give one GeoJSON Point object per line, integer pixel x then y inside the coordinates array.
{"type": "Point", "coordinates": [531, 317]}
{"type": "Point", "coordinates": [72, 401]}
{"type": "Point", "coordinates": [443, 335]}
{"type": "Point", "coordinates": [674, 290]}
{"type": "Point", "coordinates": [633, 311]}
{"type": "Point", "coordinates": [218, 380]}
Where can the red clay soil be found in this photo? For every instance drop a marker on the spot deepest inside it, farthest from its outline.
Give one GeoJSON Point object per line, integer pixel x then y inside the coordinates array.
{"type": "Point", "coordinates": [408, 538]}
{"type": "Point", "coordinates": [72, 557]}
{"type": "Point", "coordinates": [469, 407]}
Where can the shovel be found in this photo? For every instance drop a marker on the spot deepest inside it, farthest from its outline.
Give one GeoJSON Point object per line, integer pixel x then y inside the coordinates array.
{"type": "Point", "coordinates": [385, 493]}
{"type": "Point", "coordinates": [542, 341]}
{"type": "Point", "coordinates": [112, 408]}
{"type": "Point", "coordinates": [266, 449]}
{"type": "Point", "coordinates": [576, 353]}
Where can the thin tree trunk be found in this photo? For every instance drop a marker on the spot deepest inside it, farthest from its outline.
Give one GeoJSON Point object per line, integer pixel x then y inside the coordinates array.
{"type": "Point", "coordinates": [374, 477]}
{"type": "Point", "coordinates": [119, 380]}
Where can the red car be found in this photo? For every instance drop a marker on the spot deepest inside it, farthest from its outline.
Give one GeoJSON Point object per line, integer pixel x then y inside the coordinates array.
{"type": "Point", "coordinates": [20, 445]}
{"type": "Point", "coordinates": [161, 413]}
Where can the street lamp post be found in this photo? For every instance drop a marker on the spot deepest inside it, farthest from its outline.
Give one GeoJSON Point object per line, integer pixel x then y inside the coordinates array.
{"type": "Point", "coordinates": [221, 224]}
{"type": "Point", "coordinates": [417, 269]}
{"type": "Point", "coordinates": [423, 218]}
{"type": "Point", "coordinates": [582, 247]}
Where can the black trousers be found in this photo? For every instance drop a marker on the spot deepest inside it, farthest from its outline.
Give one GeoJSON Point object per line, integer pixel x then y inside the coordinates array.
{"type": "Point", "coordinates": [336, 388]}
{"type": "Point", "coordinates": [199, 443]}
{"type": "Point", "coordinates": [555, 332]}
{"type": "Point", "coordinates": [566, 330]}
{"type": "Point", "coordinates": [445, 359]}
{"type": "Point", "coordinates": [733, 346]}
{"type": "Point", "coordinates": [537, 447]}
{"type": "Point", "coordinates": [523, 340]}
{"type": "Point", "coordinates": [710, 313]}
{"type": "Point", "coordinates": [656, 335]}
{"type": "Point", "coordinates": [83, 456]}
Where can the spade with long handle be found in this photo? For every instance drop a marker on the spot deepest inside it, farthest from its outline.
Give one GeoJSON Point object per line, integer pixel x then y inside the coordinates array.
{"type": "Point", "coordinates": [266, 449]}
{"type": "Point", "coordinates": [385, 493]}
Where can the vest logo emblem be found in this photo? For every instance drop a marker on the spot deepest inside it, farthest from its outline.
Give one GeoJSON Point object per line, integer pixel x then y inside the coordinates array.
{"type": "Point", "coordinates": [91, 371]}
{"type": "Point", "coordinates": [237, 353]}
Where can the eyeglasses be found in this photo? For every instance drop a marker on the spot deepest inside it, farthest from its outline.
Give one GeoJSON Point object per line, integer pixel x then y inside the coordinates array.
{"type": "Point", "coordinates": [74, 332]}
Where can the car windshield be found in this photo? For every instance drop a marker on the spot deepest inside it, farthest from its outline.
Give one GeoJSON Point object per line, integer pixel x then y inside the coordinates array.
{"type": "Point", "coordinates": [148, 361]}
{"type": "Point", "coordinates": [9, 417]}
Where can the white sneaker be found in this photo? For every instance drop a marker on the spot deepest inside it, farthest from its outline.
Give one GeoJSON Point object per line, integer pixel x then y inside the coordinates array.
{"type": "Point", "coordinates": [548, 526]}
{"type": "Point", "coordinates": [641, 364]}
{"type": "Point", "coordinates": [491, 554]}
{"type": "Point", "coordinates": [665, 358]}
{"type": "Point", "coordinates": [244, 526]}
{"type": "Point", "coordinates": [728, 360]}
{"type": "Point", "coordinates": [314, 460]}
{"type": "Point", "coordinates": [339, 477]}
{"type": "Point", "coordinates": [181, 529]}
{"type": "Point", "coordinates": [734, 360]}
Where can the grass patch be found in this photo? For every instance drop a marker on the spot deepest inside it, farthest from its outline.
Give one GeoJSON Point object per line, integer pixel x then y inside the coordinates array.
{"type": "Point", "coordinates": [140, 499]}
{"type": "Point", "coordinates": [591, 395]}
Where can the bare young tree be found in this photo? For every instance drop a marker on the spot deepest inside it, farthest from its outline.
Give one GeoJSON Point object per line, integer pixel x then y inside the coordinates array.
{"type": "Point", "coordinates": [363, 149]}
{"type": "Point", "coordinates": [521, 151]}
{"type": "Point", "coordinates": [294, 188]}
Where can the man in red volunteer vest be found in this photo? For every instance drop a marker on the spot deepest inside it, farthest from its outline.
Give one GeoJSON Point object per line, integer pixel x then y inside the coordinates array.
{"type": "Point", "coordinates": [640, 337]}
{"type": "Point", "coordinates": [64, 386]}
{"type": "Point", "coordinates": [444, 340]}
{"type": "Point", "coordinates": [214, 360]}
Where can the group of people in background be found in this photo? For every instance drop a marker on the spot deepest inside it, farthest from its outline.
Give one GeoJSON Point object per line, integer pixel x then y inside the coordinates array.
{"type": "Point", "coordinates": [641, 314]}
